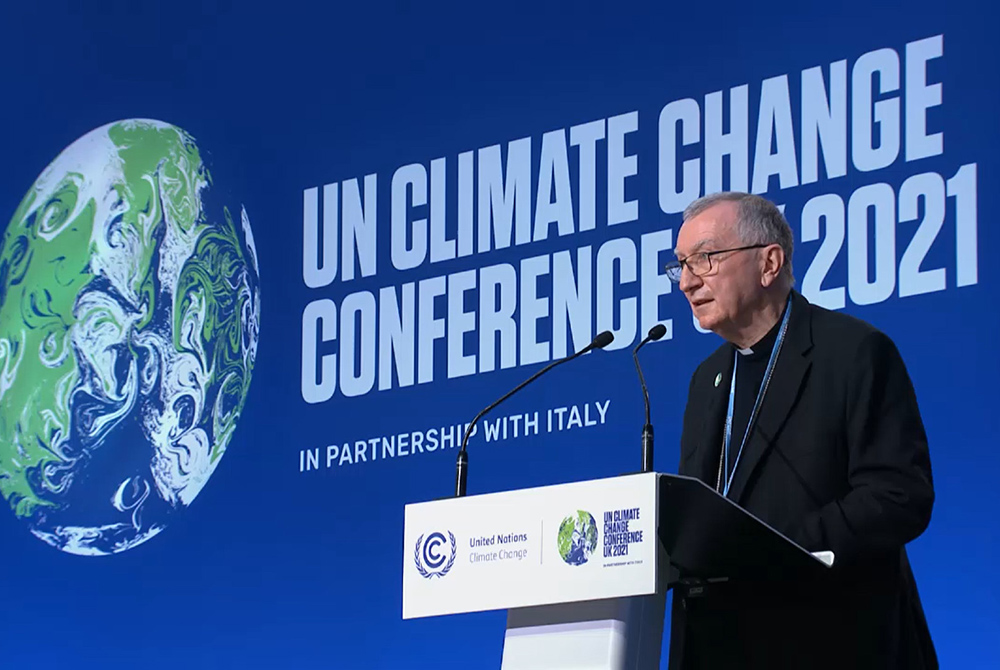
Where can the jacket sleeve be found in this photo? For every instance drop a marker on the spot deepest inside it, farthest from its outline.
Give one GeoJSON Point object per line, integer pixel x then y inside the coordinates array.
{"type": "Point", "coordinates": [689, 427]}
{"type": "Point", "coordinates": [890, 488]}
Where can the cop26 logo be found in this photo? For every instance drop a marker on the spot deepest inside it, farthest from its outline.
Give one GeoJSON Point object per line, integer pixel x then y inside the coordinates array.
{"type": "Point", "coordinates": [430, 557]}
{"type": "Point", "coordinates": [577, 537]}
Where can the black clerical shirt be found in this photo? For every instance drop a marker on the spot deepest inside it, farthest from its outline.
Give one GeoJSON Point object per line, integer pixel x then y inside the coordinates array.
{"type": "Point", "coordinates": [749, 376]}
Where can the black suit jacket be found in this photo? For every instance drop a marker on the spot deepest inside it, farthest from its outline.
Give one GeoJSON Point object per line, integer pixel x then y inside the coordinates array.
{"type": "Point", "coordinates": [837, 460]}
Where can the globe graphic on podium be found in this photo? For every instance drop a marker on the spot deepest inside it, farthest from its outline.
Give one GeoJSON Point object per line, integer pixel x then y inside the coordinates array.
{"type": "Point", "coordinates": [129, 314]}
{"type": "Point", "coordinates": [577, 538]}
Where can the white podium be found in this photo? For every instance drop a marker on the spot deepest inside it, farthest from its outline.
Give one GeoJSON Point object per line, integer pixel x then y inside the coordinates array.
{"type": "Point", "coordinates": [579, 568]}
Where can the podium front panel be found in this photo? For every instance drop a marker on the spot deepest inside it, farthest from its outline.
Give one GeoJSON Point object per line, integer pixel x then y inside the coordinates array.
{"type": "Point", "coordinates": [553, 544]}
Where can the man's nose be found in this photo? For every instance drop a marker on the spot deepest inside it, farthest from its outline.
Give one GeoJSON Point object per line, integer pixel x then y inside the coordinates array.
{"type": "Point", "coordinates": [689, 280]}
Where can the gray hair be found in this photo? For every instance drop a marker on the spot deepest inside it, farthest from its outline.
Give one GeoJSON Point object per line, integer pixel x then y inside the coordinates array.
{"type": "Point", "coordinates": [758, 221]}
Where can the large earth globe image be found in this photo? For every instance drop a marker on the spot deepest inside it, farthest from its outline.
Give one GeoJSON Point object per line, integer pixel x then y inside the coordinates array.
{"type": "Point", "coordinates": [129, 314]}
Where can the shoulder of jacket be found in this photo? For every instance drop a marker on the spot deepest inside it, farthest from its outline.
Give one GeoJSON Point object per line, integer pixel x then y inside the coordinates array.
{"type": "Point", "coordinates": [840, 327]}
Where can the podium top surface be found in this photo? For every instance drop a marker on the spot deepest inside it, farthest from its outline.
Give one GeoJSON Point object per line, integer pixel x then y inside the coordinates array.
{"type": "Point", "coordinates": [709, 536]}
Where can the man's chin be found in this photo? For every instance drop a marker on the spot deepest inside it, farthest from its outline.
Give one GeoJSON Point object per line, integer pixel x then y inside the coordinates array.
{"type": "Point", "coordinates": [706, 320]}
{"type": "Point", "coordinates": [706, 324]}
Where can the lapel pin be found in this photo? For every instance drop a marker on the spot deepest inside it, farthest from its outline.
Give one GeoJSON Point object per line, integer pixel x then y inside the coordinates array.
{"type": "Point", "coordinates": [718, 379]}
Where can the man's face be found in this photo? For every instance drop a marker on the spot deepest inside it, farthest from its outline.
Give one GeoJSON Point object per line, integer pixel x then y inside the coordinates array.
{"type": "Point", "coordinates": [720, 298]}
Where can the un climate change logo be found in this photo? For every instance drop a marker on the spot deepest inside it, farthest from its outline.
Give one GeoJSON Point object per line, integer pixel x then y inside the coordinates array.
{"type": "Point", "coordinates": [428, 556]}
{"type": "Point", "coordinates": [577, 538]}
{"type": "Point", "coordinates": [129, 314]}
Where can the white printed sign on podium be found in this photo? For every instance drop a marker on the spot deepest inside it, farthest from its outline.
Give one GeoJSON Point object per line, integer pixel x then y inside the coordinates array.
{"type": "Point", "coordinates": [578, 567]}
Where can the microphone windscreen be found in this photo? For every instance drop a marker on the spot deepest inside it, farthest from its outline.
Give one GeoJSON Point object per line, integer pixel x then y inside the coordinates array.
{"type": "Point", "coordinates": [604, 339]}
{"type": "Point", "coordinates": [657, 331]}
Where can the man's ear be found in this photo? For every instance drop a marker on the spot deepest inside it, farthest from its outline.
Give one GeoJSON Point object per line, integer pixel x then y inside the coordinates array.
{"type": "Point", "coordinates": [774, 261]}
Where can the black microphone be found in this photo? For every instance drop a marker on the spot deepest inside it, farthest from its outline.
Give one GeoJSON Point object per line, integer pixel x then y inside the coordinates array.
{"type": "Point", "coordinates": [655, 333]}
{"type": "Point", "coordinates": [462, 466]}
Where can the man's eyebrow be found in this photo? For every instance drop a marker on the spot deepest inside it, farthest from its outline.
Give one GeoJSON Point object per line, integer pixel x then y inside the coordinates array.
{"type": "Point", "coordinates": [698, 245]}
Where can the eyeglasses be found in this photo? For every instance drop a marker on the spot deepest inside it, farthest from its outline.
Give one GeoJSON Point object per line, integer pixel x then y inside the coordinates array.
{"type": "Point", "coordinates": [700, 263]}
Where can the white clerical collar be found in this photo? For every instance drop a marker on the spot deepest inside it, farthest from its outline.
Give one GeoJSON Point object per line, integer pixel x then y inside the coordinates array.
{"type": "Point", "coordinates": [745, 352]}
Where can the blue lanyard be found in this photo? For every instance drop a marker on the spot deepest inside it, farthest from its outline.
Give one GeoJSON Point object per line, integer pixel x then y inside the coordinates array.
{"type": "Point", "coordinates": [756, 406]}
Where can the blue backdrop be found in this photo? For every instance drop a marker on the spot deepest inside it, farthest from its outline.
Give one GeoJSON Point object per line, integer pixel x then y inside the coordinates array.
{"type": "Point", "coordinates": [427, 205]}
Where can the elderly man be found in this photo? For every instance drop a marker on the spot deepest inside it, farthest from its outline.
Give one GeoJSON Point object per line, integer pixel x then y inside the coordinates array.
{"type": "Point", "coordinates": [807, 419]}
